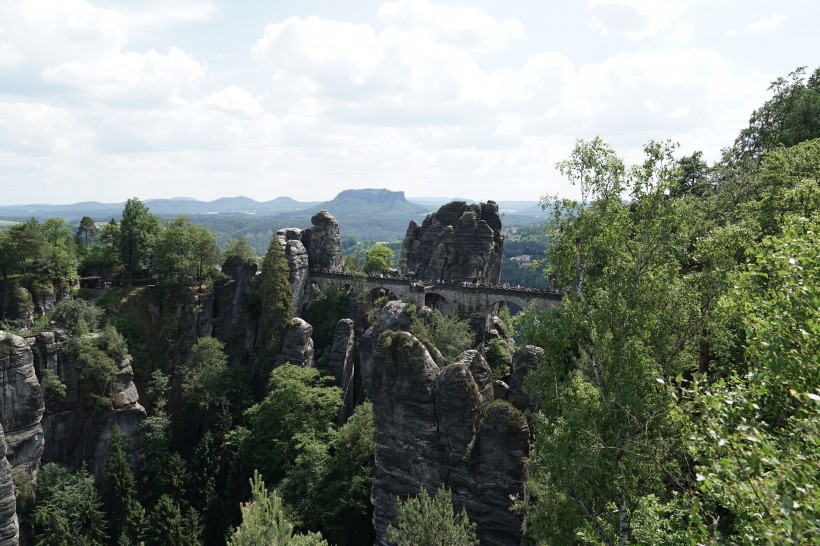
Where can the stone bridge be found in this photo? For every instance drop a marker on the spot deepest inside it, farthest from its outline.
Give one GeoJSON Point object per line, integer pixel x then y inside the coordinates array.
{"type": "Point", "coordinates": [444, 297]}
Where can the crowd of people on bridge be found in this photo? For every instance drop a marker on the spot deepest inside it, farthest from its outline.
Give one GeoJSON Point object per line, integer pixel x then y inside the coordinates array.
{"type": "Point", "coordinates": [414, 281]}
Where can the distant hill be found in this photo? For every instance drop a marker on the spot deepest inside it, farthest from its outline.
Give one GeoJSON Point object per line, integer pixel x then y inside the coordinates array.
{"type": "Point", "coordinates": [163, 207]}
{"type": "Point", "coordinates": [366, 214]}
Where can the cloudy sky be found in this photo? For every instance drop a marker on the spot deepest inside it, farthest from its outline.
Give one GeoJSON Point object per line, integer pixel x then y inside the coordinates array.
{"type": "Point", "coordinates": [107, 99]}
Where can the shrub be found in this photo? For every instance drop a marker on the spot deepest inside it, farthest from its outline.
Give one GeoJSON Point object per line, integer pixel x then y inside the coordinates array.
{"type": "Point", "coordinates": [77, 315]}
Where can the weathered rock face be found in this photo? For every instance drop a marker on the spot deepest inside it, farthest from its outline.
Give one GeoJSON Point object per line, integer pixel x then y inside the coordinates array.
{"type": "Point", "coordinates": [440, 427]}
{"type": "Point", "coordinates": [394, 316]}
{"type": "Point", "coordinates": [342, 363]}
{"type": "Point", "coordinates": [74, 431]}
{"type": "Point", "coordinates": [296, 253]}
{"type": "Point", "coordinates": [9, 530]}
{"type": "Point", "coordinates": [21, 407]}
{"type": "Point", "coordinates": [297, 347]}
{"type": "Point", "coordinates": [524, 361]}
{"type": "Point", "coordinates": [22, 303]}
{"type": "Point", "coordinates": [324, 242]}
{"type": "Point", "coordinates": [458, 243]}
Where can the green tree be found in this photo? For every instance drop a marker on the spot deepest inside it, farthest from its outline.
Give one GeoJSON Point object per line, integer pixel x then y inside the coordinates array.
{"type": "Point", "coordinates": [791, 116]}
{"type": "Point", "coordinates": [756, 433]}
{"type": "Point", "coordinates": [185, 253]}
{"type": "Point", "coordinates": [448, 333]}
{"type": "Point", "coordinates": [125, 514]}
{"type": "Point", "coordinates": [30, 244]}
{"type": "Point", "coordinates": [205, 375]}
{"type": "Point", "coordinates": [67, 508]}
{"type": "Point", "coordinates": [240, 249]}
{"type": "Point", "coordinates": [9, 261]}
{"type": "Point", "coordinates": [138, 231]}
{"type": "Point", "coordinates": [86, 231]}
{"type": "Point", "coordinates": [168, 525]}
{"type": "Point", "coordinates": [431, 521]}
{"type": "Point", "coordinates": [275, 295]}
{"type": "Point", "coordinates": [264, 521]}
{"type": "Point", "coordinates": [300, 405]}
{"type": "Point", "coordinates": [378, 258]}
{"type": "Point", "coordinates": [604, 439]}
{"type": "Point", "coordinates": [329, 484]}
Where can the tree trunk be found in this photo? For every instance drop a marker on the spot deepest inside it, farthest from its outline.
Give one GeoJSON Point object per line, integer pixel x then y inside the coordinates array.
{"type": "Point", "coordinates": [623, 516]}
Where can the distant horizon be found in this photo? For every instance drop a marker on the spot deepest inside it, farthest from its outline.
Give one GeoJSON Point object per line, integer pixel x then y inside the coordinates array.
{"type": "Point", "coordinates": [148, 200]}
{"type": "Point", "coordinates": [104, 99]}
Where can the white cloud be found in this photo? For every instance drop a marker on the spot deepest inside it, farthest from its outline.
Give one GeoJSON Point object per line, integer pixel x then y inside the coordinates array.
{"type": "Point", "coordinates": [131, 76]}
{"type": "Point", "coordinates": [32, 128]}
{"type": "Point", "coordinates": [464, 27]}
{"type": "Point", "coordinates": [767, 23]}
{"type": "Point", "coordinates": [684, 32]}
{"type": "Point", "coordinates": [149, 17]}
{"type": "Point", "coordinates": [634, 19]}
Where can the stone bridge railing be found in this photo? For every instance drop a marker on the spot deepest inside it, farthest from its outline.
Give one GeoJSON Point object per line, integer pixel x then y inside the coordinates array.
{"type": "Point", "coordinates": [445, 296]}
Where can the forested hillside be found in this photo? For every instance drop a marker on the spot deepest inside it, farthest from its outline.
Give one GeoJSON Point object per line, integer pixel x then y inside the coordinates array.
{"type": "Point", "coordinates": [676, 399]}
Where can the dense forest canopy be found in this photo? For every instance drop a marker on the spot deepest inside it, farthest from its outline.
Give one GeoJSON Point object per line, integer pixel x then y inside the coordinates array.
{"type": "Point", "coordinates": [677, 400]}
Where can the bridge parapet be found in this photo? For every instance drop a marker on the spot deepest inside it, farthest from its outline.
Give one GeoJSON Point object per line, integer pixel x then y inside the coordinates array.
{"type": "Point", "coordinates": [480, 297]}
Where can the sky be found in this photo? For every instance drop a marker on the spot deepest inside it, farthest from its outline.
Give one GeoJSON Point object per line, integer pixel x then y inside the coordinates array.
{"type": "Point", "coordinates": [104, 100]}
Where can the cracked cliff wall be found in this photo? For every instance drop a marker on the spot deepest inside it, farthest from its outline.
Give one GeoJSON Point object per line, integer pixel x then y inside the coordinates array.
{"type": "Point", "coordinates": [439, 426]}
{"type": "Point", "coordinates": [458, 243]}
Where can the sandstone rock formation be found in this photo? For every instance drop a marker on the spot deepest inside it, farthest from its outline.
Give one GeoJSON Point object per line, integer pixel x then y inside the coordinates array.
{"type": "Point", "coordinates": [76, 432]}
{"type": "Point", "coordinates": [524, 361]}
{"type": "Point", "coordinates": [458, 243]}
{"type": "Point", "coordinates": [319, 247]}
{"type": "Point", "coordinates": [342, 363]}
{"type": "Point", "coordinates": [9, 530]}
{"type": "Point", "coordinates": [297, 256]}
{"type": "Point", "coordinates": [438, 427]}
{"type": "Point", "coordinates": [324, 242]}
{"type": "Point", "coordinates": [21, 407]}
{"type": "Point", "coordinates": [297, 347]}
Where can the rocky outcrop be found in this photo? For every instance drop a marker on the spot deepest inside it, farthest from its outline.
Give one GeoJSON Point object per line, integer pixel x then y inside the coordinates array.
{"type": "Point", "coordinates": [341, 364]}
{"type": "Point", "coordinates": [9, 530]}
{"type": "Point", "coordinates": [76, 429]}
{"type": "Point", "coordinates": [324, 242]}
{"type": "Point", "coordinates": [22, 302]}
{"type": "Point", "coordinates": [408, 453]}
{"type": "Point", "coordinates": [438, 427]}
{"type": "Point", "coordinates": [524, 361]}
{"type": "Point", "coordinates": [458, 243]}
{"type": "Point", "coordinates": [296, 253]}
{"type": "Point", "coordinates": [394, 316]}
{"type": "Point", "coordinates": [297, 347]}
{"type": "Point", "coordinates": [21, 407]}
{"type": "Point", "coordinates": [231, 301]}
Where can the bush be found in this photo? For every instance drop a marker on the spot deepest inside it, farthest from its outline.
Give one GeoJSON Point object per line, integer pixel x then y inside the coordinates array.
{"type": "Point", "coordinates": [431, 521]}
{"type": "Point", "coordinates": [498, 358]}
{"type": "Point", "coordinates": [77, 315]}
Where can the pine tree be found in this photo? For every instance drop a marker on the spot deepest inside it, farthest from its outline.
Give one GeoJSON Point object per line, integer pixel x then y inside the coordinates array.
{"type": "Point", "coordinates": [275, 294]}
{"type": "Point", "coordinates": [120, 489]}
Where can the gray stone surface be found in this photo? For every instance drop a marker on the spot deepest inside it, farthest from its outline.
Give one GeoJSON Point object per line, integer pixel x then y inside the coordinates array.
{"type": "Point", "coordinates": [9, 529]}
{"type": "Point", "coordinates": [21, 407]}
{"type": "Point", "coordinates": [324, 242]}
{"type": "Point", "coordinates": [297, 256]}
{"type": "Point", "coordinates": [458, 243]}
{"type": "Point", "coordinates": [297, 347]}
{"type": "Point", "coordinates": [524, 361]}
{"type": "Point", "coordinates": [75, 432]}
{"type": "Point", "coordinates": [438, 427]}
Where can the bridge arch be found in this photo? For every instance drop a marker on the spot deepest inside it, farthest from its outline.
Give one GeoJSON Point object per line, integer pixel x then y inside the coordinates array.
{"type": "Point", "coordinates": [378, 293]}
{"type": "Point", "coordinates": [512, 305]}
{"type": "Point", "coordinates": [438, 302]}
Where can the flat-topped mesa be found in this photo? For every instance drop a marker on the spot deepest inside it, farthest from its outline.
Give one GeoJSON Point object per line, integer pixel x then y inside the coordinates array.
{"type": "Point", "coordinates": [458, 243]}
